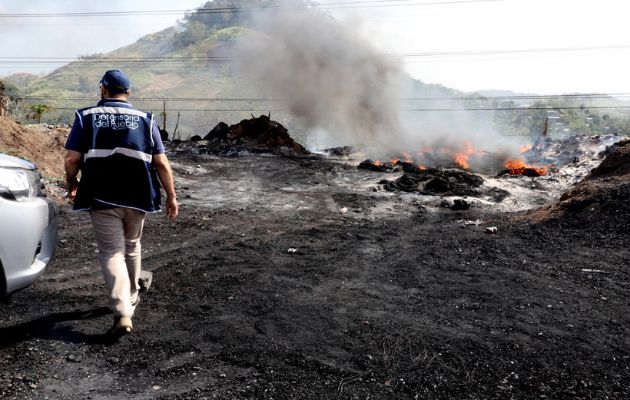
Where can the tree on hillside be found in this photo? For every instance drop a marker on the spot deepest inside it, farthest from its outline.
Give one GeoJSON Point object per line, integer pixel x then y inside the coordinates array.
{"type": "Point", "coordinates": [219, 14]}
{"type": "Point", "coordinates": [226, 13]}
{"type": "Point", "coordinates": [38, 110]}
{"type": "Point", "coordinates": [9, 99]}
{"type": "Point", "coordinates": [4, 99]}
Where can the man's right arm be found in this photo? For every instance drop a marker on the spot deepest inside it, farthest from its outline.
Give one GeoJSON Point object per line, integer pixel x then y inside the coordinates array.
{"type": "Point", "coordinates": [72, 162]}
{"type": "Point", "coordinates": [74, 153]}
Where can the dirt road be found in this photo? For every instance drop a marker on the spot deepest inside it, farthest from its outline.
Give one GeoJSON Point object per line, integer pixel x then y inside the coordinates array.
{"type": "Point", "coordinates": [266, 289]}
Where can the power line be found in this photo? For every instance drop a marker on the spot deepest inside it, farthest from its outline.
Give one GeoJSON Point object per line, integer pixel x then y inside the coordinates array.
{"type": "Point", "coordinates": [514, 51]}
{"type": "Point", "coordinates": [406, 110]}
{"type": "Point", "coordinates": [224, 10]}
{"type": "Point", "coordinates": [191, 99]}
{"type": "Point", "coordinates": [102, 58]}
{"type": "Point", "coordinates": [400, 2]}
{"type": "Point", "coordinates": [529, 97]}
{"type": "Point", "coordinates": [577, 96]}
{"type": "Point", "coordinates": [50, 69]}
{"type": "Point", "coordinates": [70, 62]}
{"type": "Point", "coordinates": [550, 108]}
{"type": "Point", "coordinates": [433, 3]}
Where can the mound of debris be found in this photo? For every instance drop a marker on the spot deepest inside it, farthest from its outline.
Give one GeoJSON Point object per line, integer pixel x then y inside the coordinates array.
{"type": "Point", "coordinates": [255, 135]}
{"type": "Point", "coordinates": [616, 161]}
{"type": "Point", "coordinates": [433, 181]}
{"type": "Point", "coordinates": [342, 151]}
{"type": "Point", "coordinates": [390, 166]}
{"type": "Point", "coordinates": [443, 182]}
{"type": "Point", "coordinates": [602, 196]}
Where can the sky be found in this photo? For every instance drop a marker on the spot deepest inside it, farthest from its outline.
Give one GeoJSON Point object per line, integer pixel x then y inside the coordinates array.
{"type": "Point", "coordinates": [528, 46]}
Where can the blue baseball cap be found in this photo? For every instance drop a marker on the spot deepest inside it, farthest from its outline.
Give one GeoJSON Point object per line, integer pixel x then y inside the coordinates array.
{"type": "Point", "coordinates": [116, 81]}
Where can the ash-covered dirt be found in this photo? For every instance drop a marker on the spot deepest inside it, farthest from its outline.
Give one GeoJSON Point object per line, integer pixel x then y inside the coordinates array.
{"type": "Point", "coordinates": [41, 144]}
{"type": "Point", "coordinates": [300, 278]}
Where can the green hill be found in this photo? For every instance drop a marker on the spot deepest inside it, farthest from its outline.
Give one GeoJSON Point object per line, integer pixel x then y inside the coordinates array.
{"type": "Point", "coordinates": [158, 69]}
{"type": "Point", "coordinates": [192, 67]}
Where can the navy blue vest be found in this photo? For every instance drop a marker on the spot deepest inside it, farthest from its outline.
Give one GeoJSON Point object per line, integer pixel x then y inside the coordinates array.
{"type": "Point", "coordinates": [116, 171]}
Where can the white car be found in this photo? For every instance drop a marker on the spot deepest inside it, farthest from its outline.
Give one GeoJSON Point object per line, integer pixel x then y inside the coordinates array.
{"type": "Point", "coordinates": [28, 226]}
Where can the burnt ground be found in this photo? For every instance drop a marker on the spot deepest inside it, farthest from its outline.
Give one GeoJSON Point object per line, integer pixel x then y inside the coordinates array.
{"type": "Point", "coordinates": [380, 297]}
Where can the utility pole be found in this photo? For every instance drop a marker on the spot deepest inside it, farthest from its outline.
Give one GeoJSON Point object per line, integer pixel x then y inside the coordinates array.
{"type": "Point", "coordinates": [164, 114]}
{"type": "Point", "coordinates": [4, 100]}
{"type": "Point", "coordinates": [4, 104]}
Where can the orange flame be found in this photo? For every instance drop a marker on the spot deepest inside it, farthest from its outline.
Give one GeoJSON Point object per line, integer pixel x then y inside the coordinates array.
{"type": "Point", "coordinates": [519, 167]}
{"type": "Point", "coordinates": [461, 157]}
{"type": "Point", "coordinates": [461, 154]}
{"type": "Point", "coordinates": [462, 160]}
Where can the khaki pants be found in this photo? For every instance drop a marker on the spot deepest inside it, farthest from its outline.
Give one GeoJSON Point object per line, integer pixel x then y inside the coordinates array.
{"type": "Point", "coordinates": [118, 232]}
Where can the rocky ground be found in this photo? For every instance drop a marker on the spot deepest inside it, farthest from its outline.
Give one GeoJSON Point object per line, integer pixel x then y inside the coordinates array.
{"type": "Point", "coordinates": [302, 278]}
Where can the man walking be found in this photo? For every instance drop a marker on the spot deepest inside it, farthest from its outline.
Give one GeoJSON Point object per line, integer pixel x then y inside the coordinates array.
{"type": "Point", "coordinates": [122, 160]}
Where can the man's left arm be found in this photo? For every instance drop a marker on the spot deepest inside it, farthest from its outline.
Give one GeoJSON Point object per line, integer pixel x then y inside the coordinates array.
{"type": "Point", "coordinates": [164, 172]}
{"type": "Point", "coordinates": [165, 175]}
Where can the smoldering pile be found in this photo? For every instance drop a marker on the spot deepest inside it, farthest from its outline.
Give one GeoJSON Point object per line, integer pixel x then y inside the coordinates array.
{"type": "Point", "coordinates": [389, 166]}
{"type": "Point", "coordinates": [255, 135]}
{"type": "Point", "coordinates": [557, 158]}
{"type": "Point", "coordinates": [602, 197]}
{"type": "Point", "coordinates": [570, 150]}
{"type": "Point", "coordinates": [341, 151]}
{"type": "Point", "coordinates": [443, 182]}
{"type": "Point", "coordinates": [569, 159]}
{"type": "Point", "coordinates": [451, 179]}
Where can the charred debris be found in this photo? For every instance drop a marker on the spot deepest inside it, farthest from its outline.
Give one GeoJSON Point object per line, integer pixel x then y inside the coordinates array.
{"type": "Point", "coordinates": [256, 135]}
{"type": "Point", "coordinates": [545, 156]}
{"type": "Point", "coordinates": [441, 182]}
{"type": "Point", "coordinates": [451, 179]}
